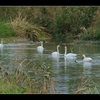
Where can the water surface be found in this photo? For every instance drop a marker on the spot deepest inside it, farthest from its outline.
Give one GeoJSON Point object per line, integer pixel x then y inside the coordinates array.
{"type": "Point", "coordinates": [67, 73]}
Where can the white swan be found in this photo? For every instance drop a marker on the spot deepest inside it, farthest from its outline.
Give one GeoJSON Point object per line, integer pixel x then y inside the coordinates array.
{"type": "Point", "coordinates": [87, 64]}
{"type": "Point", "coordinates": [40, 48]}
{"type": "Point", "coordinates": [1, 44]}
{"type": "Point", "coordinates": [88, 59]}
{"type": "Point", "coordinates": [56, 53]}
{"type": "Point", "coordinates": [69, 54]}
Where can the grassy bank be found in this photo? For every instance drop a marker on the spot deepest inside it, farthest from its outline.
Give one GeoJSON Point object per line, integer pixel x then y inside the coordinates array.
{"type": "Point", "coordinates": [30, 76]}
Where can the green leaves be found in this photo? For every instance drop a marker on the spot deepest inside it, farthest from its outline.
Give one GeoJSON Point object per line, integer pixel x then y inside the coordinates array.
{"type": "Point", "coordinates": [6, 30]}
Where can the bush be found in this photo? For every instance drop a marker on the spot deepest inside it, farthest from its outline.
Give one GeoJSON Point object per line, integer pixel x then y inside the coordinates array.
{"type": "Point", "coordinates": [6, 30]}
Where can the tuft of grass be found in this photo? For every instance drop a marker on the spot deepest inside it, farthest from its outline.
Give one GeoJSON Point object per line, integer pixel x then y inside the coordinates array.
{"type": "Point", "coordinates": [23, 28]}
{"type": "Point", "coordinates": [87, 86]}
{"type": "Point", "coordinates": [30, 76]}
{"type": "Point", "coordinates": [6, 30]}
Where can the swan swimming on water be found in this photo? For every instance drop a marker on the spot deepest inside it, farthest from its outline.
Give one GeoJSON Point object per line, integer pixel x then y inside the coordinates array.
{"type": "Point", "coordinates": [1, 47]}
{"type": "Point", "coordinates": [1, 44]}
{"type": "Point", "coordinates": [69, 54]}
{"type": "Point", "coordinates": [86, 59]}
{"type": "Point", "coordinates": [40, 48]}
{"type": "Point", "coordinates": [87, 64]}
{"type": "Point", "coordinates": [56, 53]}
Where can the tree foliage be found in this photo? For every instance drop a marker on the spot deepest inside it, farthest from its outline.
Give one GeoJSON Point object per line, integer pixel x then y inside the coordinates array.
{"type": "Point", "coordinates": [60, 21]}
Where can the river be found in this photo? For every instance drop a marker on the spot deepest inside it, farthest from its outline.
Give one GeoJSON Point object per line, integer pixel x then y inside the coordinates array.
{"type": "Point", "coordinates": [67, 74]}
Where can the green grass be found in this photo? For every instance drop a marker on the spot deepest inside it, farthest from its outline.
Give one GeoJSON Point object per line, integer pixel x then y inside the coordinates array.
{"type": "Point", "coordinates": [6, 30]}
{"type": "Point", "coordinates": [31, 76]}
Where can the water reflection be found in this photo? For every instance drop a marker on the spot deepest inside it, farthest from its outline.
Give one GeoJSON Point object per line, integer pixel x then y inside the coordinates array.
{"type": "Point", "coordinates": [69, 60]}
{"type": "Point", "coordinates": [56, 61]}
{"type": "Point", "coordinates": [87, 67]}
{"type": "Point", "coordinates": [1, 51]}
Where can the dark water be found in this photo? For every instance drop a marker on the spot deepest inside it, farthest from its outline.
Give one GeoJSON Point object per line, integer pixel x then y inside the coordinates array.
{"type": "Point", "coordinates": [67, 73]}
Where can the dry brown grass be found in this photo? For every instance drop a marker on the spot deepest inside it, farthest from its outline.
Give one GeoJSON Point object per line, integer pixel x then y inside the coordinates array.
{"type": "Point", "coordinates": [22, 28]}
{"type": "Point", "coordinates": [29, 77]}
{"type": "Point", "coordinates": [87, 86]}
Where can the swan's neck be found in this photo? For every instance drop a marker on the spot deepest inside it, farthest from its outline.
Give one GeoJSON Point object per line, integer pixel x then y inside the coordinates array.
{"type": "Point", "coordinates": [84, 56]}
{"type": "Point", "coordinates": [41, 44]}
{"type": "Point", "coordinates": [57, 49]}
{"type": "Point", "coordinates": [65, 51]}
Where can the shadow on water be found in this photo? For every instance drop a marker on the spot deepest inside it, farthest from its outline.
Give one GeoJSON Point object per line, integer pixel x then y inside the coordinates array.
{"type": "Point", "coordinates": [67, 73]}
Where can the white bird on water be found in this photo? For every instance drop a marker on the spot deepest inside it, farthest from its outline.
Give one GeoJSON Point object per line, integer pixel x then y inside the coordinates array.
{"type": "Point", "coordinates": [40, 48]}
{"type": "Point", "coordinates": [86, 59]}
{"type": "Point", "coordinates": [69, 54]}
{"type": "Point", "coordinates": [56, 53]}
{"type": "Point", "coordinates": [1, 44]}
